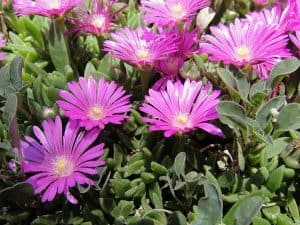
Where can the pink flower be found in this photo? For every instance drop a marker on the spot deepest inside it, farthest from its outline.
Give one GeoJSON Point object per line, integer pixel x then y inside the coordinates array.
{"type": "Point", "coordinates": [246, 43]}
{"type": "Point", "coordinates": [187, 44]}
{"type": "Point", "coordinates": [295, 38]}
{"type": "Point", "coordinates": [294, 23]}
{"type": "Point", "coordinates": [49, 8]}
{"type": "Point", "coordinates": [60, 159]}
{"type": "Point", "coordinates": [171, 12]}
{"type": "Point", "coordinates": [2, 44]}
{"type": "Point", "coordinates": [97, 20]}
{"type": "Point", "coordinates": [141, 47]}
{"type": "Point", "coordinates": [5, 2]}
{"type": "Point", "coordinates": [93, 103]}
{"type": "Point", "coordinates": [182, 108]}
{"type": "Point", "coordinates": [169, 68]}
{"type": "Point", "coordinates": [278, 16]}
{"type": "Point", "coordinates": [260, 2]}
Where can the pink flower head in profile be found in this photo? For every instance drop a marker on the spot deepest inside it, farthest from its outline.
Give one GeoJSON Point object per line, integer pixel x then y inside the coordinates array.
{"type": "Point", "coordinates": [260, 2]}
{"type": "Point", "coordinates": [294, 23]}
{"type": "Point", "coordinates": [245, 43]}
{"type": "Point", "coordinates": [48, 8]}
{"type": "Point", "coordinates": [93, 103]}
{"type": "Point", "coordinates": [171, 12]}
{"type": "Point", "coordinates": [187, 44]}
{"type": "Point", "coordinates": [2, 44]}
{"type": "Point", "coordinates": [295, 38]}
{"type": "Point", "coordinates": [141, 47]}
{"type": "Point", "coordinates": [60, 159]}
{"type": "Point", "coordinates": [169, 68]}
{"type": "Point", "coordinates": [97, 20]}
{"type": "Point", "coordinates": [5, 2]}
{"type": "Point", "coordinates": [182, 108]}
{"type": "Point", "coordinates": [277, 16]}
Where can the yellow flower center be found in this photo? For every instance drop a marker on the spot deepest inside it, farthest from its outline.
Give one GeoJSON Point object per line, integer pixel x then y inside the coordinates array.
{"type": "Point", "coordinates": [177, 10]}
{"type": "Point", "coordinates": [96, 113]}
{"type": "Point", "coordinates": [182, 121]}
{"type": "Point", "coordinates": [182, 118]}
{"type": "Point", "coordinates": [243, 53]}
{"type": "Point", "coordinates": [54, 4]}
{"type": "Point", "coordinates": [143, 54]}
{"type": "Point", "coordinates": [63, 167]}
{"type": "Point", "coordinates": [98, 21]}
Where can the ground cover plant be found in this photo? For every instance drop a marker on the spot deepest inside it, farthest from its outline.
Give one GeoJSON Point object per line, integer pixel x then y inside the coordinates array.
{"type": "Point", "coordinates": [149, 112]}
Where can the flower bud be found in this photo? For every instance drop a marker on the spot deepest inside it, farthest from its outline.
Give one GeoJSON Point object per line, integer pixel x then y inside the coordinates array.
{"type": "Point", "coordinates": [274, 112]}
{"type": "Point", "coordinates": [48, 113]}
{"type": "Point", "coordinates": [260, 2]}
{"type": "Point", "coordinates": [204, 17]}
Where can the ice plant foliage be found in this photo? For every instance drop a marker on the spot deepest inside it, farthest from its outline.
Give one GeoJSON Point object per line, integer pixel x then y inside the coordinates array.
{"type": "Point", "coordinates": [96, 20]}
{"type": "Point", "coordinates": [2, 44]}
{"type": "Point", "coordinates": [246, 43]}
{"type": "Point", "coordinates": [48, 8]}
{"type": "Point", "coordinates": [171, 12]}
{"type": "Point", "coordinates": [93, 103]}
{"type": "Point", "coordinates": [141, 47]}
{"type": "Point", "coordinates": [182, 108]}
{"type": "Point", "coordinates": [60, 159]}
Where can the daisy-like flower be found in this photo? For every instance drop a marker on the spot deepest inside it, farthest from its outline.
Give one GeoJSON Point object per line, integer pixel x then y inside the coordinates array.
{"type": "Point", "coordinates": [260, 2]}
{"type": "Point", "coordinates": [294, 23]}
{"type": "Point", "coordinates": [48, 8]}
{"type": "Point", "coordinates": [169, 68]}
{"type": "Point", "coordinates": [60, 159]}
{"type": "Point", "coordinates": [278, 16]}
{"type": "Point", "coordinates": [245, 43]}
{"type": "Point", "coordinates": [295, 38]}
{"type": "Point", "coordinates": [187, 44]}
{"type": "Point", "coordinates": [182, 108]}
{"type": "Point", "coordinates": [96, 20]}
{"type": "Point", "coordinates": [171, 12]}
{"type": "Point", "coordinates": [93, 103]}
{"type": "Point", "coordinates": [141, 47]}
{"type": "Point", "coordinates": [2, 44]}
{"type": "Point", "coordinates": [5, 2]}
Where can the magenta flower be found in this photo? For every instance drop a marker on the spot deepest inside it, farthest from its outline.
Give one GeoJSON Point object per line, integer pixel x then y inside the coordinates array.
{"type": "Point", "coordinates": [294, 23]}
{"type": "Point", "coordinates": [94, 104]}
{"type": "Point", "coordinates": [187, 44]}
{"type": "Point", "coordinates": [277, 16]}
{"type": "Point", "coordinates": [171, 12]}
{"type": "Point", "coordinates": [60, 160]}
{"type": "Point", "coordinates": [295, 38]}
{"type": "Point", "coordinates": [260, 2]}
{"type": "Point", "coordinates": [245, 43]}
{"type": "Point", "coordinates": [5, 2]}
{"type": "Point", "coordinates": [96, 20]}
{"type": "Point", "coordinates": [49, 8]}
{"type": "Point", "coordinates": [182, 108]}
{"type": "Point", "coordinates": [169, 68]}
{"type": "Point", "coordinates": [2, 44]}
{"type": "Point", "coordinates": [141, 47]}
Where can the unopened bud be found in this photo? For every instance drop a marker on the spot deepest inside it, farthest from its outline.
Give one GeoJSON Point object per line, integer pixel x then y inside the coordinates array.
{"type": "Point", "coordinates": [260, 2]}
{"type": "Point", "coordinates": [274, 112]}
{"type": "Point", "coordinates": [204, 17]}
{"type": "Point", "coordinates": [48, 113]}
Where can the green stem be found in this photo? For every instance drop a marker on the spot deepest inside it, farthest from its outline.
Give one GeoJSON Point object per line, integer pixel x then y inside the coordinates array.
{"type": "Point", "coordinates": [179, 144]}
{"type": "Point", "coordinates": [145, 76]}
{"type": "Point", "coordinates": [60, 24]}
